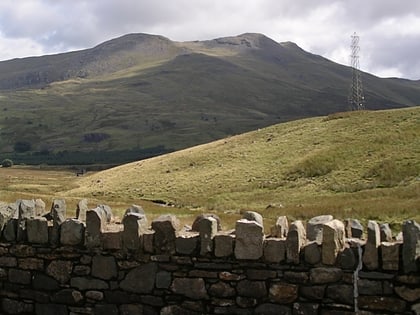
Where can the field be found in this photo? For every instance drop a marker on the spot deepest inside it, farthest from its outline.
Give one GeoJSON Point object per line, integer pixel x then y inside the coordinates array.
{"type": "Point", "coordinates": [364, 165]}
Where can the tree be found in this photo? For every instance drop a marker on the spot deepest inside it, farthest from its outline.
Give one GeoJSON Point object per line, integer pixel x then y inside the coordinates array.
{"type": "Point", "coordinates": [7, 163]}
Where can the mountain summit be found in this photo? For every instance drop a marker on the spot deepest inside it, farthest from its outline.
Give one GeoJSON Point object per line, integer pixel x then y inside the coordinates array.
{"type": "Point", "coordinates": [146, 91]}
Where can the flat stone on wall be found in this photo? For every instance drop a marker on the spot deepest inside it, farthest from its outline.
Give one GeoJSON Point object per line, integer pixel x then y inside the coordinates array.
{"type": "Point", "coordinates": [314, 227]}
{"type": "Point", "coordinates": [274, 250]}
{"type": "Point", "coordinates": [281, 228]}
{"type": "Point", "coordinates": [249, 239]}
{"type": "Point", "coordinates": [390, 255]}
{"type": "Point", "coordinates": [81, 209]}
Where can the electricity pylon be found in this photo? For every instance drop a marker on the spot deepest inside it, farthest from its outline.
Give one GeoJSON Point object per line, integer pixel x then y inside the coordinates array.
{"type": "Point", "coordinates": [356, 98]}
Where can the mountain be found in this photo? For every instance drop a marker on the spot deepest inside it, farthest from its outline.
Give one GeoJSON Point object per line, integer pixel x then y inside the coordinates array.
{"type": "Point", "coordinates": [141, 95]}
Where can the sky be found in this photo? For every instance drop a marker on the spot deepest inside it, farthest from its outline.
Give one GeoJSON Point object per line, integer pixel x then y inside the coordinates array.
{"type": "Point", "coordinates": [389, 30]}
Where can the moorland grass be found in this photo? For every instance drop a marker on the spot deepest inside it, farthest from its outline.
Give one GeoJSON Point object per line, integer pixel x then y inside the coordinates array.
{"type": "Point", "coordinates": [361, 164]}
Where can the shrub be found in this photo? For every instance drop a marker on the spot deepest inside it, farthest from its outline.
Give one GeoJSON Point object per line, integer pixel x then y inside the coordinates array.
{"type": "Point", "coordinates": [7, 163]}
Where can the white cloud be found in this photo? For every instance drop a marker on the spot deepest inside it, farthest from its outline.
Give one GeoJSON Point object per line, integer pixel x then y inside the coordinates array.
{"type": "Point", "coordinates": [389, 30]}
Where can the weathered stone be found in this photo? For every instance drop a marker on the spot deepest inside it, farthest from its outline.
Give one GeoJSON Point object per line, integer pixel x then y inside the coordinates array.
{"type": "Point", "coordinates": [296, 238]}
{"type": "Point", "coordinates": [221, 290]}
{"type": "Point", "coordinates": [323, 275]}
{"type": "Point", "coordinates": [8, 261]}
{"type": "Point", "coordinates": [249, 239]}
{"type": "Point", "coordinates": [94, 295]}
{"type": "Point", "coordinates": [272, 309]}
{"type": "Point", "coordinates": [26, 211]}
{"type": "Point", "coordinates": [50, 309]}
{"type": "Point", "coordinates": [95, 224]}
{"type": "Point", "coordinates": [411, 247]}
{"type": "Point", "coordinates": [31, 263]}
{"type": "Point", "coordinates": [296, 276]}
{"type": "Point", "coordinates": [39, 207]}
{"type": "Point", "coordinates": [274, 250]}
{"type": "Point", "coordinates": [81, 270]}
{"type": "Point", "coordinates": [58, 214]}
{"type": "Point", "coordinates": [112, 239]}
{"type": "Point", "coordinates": [314, 227]}
{"type": "Point", "coordinates": [44, 282]}
{"type": "Point", "coordinates": [135, 225]}
{"type": "Point", "coordinates": [375, 275]}
{"type": "Point", "coordinates": [163, 279]}
{"type": "Point", "coordinates": [341, 293]}
{"type": "Point", "coordinates": [108, 212]}
{"type": "Point", "coordinates": [246, 302]}
{"type": "Point", "coordinates": [348, 259]}
{"type": "Point", "coordinates": [16, 307]}
{"type": "Point", "coordinates": [72, 232]}
{"type": "Point", "coordinates": [19, 276]}
{"type": "Point", "coordinates": [369, 287]}
{"type": "Point", "coordinates": [207, 229]}
{"type": "Point", "coordinates": [10, 230]}
{"type": "Point", "coordinates": [166, 228]}
{"type": "Point", "coordinates": [187, 244]}
{"type": "Point", "coordinates": [196, 224]}
{"type": "Point", "coordinates": [281, 228]}
{"type": "Point", "coordinates": [131, 309]}
{"type": "Point", "coordinates": [147, 274]}
{"type": "Point", "coordinates": [223, 245]}
{"type": "Point", "coordinates": [228, 276]}
{"type": "Point", "coordinates": [60, 270]}
{"type": "Point", "coordinates": [386, 232]}
{"type": "Point", "coordinates": [258, 274]}
{"type": "Point", "coordinates": [312, 253]}
{"type": "Point", "coordinates": [409, 279]}
{"type": "Point", "coordinates": [37, 230]}
{"type": "Point", "coordinates": [382, 303]}
{"type": "Point", "coordinates": [134, 209]}
{"type": "Point", "coordinates": [108, 309]}
{"type": "Point", "coordinates": [83, 284]}
{"type": "Point", "coordinates": [283, 293]}
{"type": "Point", "coordinates": [254, 289]}
{"type": "Point", "coordinates": [390, 255]}
{"type": "Point", "coordinates": [332, 241]}
{"type": "Point", "coordinates": [408, 294]}
{"type": "Point", "coordinates": [22, 250]}
{"type": "Point", "coordinates": [147, 242]}
{"type": "Point", "coordinates": [313, 292]}
{"type": "Point", "coordinates": [104, 267]}
{"type": "Point", "coordinates": [353, 227]}
{"type": "Point", "coordinates": [7, 211]}
{"type": "Point", "coordinates": [68, 297]}
{"type": "Point", "coordinates": [193, 288]}
{"type": "Point", "coordinates": [253, 216]}
{"type": "Point", "coordinates": [81, 209]}
{"type": "Point", "coordinates": [305, 309]}
{"type": "Point", "coordinates": [370, 255]}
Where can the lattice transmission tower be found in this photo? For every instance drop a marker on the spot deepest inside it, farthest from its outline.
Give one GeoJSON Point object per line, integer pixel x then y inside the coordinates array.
{"type": "Point", "coordinates": [356, 98]}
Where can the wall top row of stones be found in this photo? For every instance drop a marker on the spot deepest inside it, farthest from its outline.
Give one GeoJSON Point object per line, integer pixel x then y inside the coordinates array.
{"type": "Point", "coordinates": [323, 240]}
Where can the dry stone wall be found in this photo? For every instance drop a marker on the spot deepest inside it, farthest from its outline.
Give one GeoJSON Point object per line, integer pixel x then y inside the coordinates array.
{"type": "Point", "coordinates": [50, 264]}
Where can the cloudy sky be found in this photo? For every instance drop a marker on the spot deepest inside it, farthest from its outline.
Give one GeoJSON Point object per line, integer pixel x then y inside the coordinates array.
{"type": "Point", "coordinates": [389, 30]}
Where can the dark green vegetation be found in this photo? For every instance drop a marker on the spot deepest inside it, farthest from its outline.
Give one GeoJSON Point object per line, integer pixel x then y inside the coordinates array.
{"type": "Point", "coordinates": [125, 98]}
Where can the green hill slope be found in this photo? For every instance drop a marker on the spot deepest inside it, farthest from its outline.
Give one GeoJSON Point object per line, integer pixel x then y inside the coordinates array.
{"type": "Point", "coordinates": [361, 164]}
{"type": "Point", "coordinates": [142, 93]}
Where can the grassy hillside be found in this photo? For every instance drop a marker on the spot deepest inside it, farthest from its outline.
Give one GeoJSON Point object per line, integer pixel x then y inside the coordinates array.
{"type": "Point", "coordinates": [354, 164]}
{"type": "Point", "coordinates": [142, 93]}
